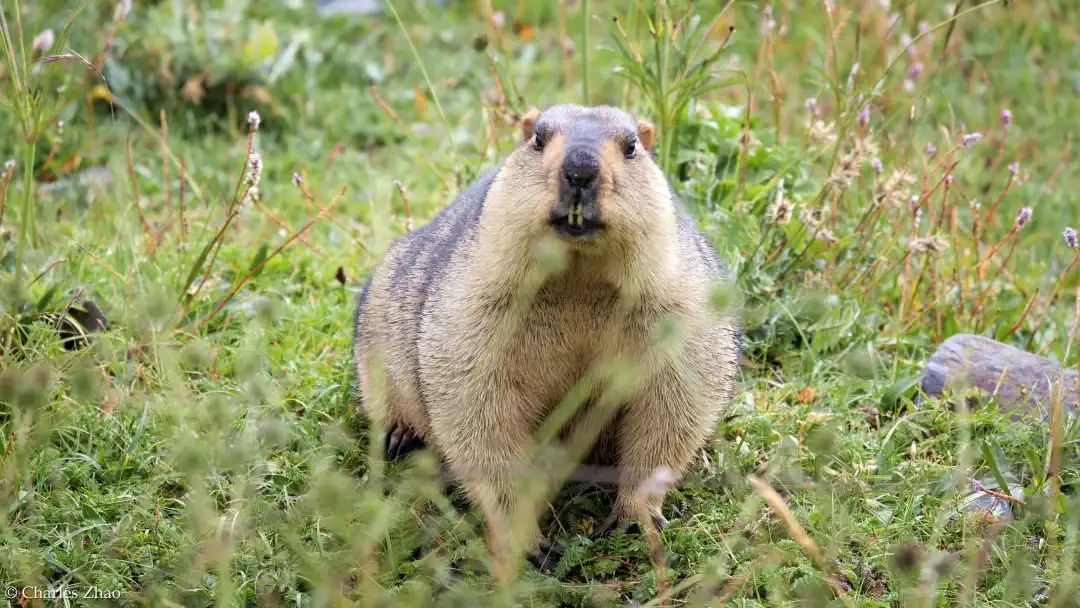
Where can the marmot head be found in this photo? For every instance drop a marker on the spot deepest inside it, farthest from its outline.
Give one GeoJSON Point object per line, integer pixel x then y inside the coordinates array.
{"type": "Point", "coordinates": [586, 176]}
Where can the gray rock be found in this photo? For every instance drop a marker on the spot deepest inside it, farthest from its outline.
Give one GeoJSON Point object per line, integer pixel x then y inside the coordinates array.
{"type": "Point", "coordinates": [354, 7]}
{"type": "Point", "coordinates": [989, 505]}
{"type": "Point", "coordinates": [94, 177]}
{"type": "Point", "coordinates": [1020, 381]}
{"type": "Point", "coordinates": [338, 7]}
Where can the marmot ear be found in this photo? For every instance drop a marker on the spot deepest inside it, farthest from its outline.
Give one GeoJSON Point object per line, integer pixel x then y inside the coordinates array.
{"type": "Point", "coordinates": [528, 123]}
{"type": "Point", "coordinates": [646, 133]}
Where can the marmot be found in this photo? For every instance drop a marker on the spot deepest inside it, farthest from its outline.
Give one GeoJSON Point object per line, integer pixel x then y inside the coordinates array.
{"type": "Point", "coordinates": [466, 340]}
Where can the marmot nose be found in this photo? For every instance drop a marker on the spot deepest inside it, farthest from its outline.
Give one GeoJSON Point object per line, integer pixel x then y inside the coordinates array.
{"type": "Point", "coordinates": [581, 168]}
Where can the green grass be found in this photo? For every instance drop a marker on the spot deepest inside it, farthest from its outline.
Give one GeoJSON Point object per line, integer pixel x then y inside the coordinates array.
{"type": "Point", "coordinates": [206, 449]}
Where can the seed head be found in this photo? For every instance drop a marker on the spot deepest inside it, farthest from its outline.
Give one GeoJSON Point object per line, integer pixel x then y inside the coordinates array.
{"type": "Point", "coordinates": [780, 212]}
{"type": "Point", "coordinates": [123, 8]}
{"type": "Point", "coordinates": [1006, 117]}
{"type": "Point", "coordinates": [893, 191]}
{"type": "Point", "coordinates": [908, 558]}
{"type": "Point", "coordinates": [811, 217]}
{"type": "Point", "coordinates": [851, 162]}
{"type": "Point", "coordinates": [9, 166]}
{"type": "Point", "coordinates": [969, 139]}
{"type": "Point", "coordinates": [851, 77]}
{"type": "Point", "coordinates": [255, 167]}
{"type": "Point", "coordinates": [254, 120]}
{"type": "Point", "coordinates": [297, 179]}
{"type": "Point", "coordinates": [823, 133]}
{"type": "Point", "coordinates": [1023, 217]}
{"type": "Point", "coordinates": [768, 24]}
{"type": "Point", "coordinates": [1069, 234]}
{"type": "Point", "coordinates": [44, 41]}
{"type": "Point", "coordinates": [825, 236]}
{"type": "Point", "coordinates": [930, 244]}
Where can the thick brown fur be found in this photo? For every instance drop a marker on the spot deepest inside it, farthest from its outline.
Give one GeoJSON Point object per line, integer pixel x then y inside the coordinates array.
{"type": "Point", "coordinates": [468, 338]}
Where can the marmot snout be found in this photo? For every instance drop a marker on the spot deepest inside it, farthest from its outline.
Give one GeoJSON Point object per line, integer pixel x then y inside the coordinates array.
{"type": "Point", "coordinates": [467, 340]}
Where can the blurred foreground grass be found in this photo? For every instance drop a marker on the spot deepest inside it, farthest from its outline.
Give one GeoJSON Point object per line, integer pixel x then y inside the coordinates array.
{"type": "Point", "coordinates": [861, 166]}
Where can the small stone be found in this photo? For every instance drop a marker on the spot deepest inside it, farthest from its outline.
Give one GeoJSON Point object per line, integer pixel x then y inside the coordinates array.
{"type": "Point", "coordinates": [1020, 381]}
{"type": "Point", "coordinates": [80, 321]}
{"type": "Point", "coordinates": [993, 507]}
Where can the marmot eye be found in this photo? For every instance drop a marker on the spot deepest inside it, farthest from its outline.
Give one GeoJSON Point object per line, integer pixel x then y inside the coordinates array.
{"type": "Point", "coordinates": [538, 142]}
{"type": "Point", "coordinates": [630, 149]}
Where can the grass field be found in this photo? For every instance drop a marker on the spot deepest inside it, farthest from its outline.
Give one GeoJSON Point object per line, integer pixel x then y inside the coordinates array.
{"type": "Point", "coordinates": [863, 168]}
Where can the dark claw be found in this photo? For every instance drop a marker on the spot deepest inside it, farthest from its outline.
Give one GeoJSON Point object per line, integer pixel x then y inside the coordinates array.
{"type": "Point", "coordinates": [400, 441]}
{"type": "Point", "coordinates": [659, 521]}
{"type": "Point", "coordinates": [608, 526]}
{"type": "Point", "coordinates": [393, 441]}
{"type": "Point", "coordinates": [613, 521]}
{"type": "Point", "coordinates": [546, 557]}
{"type": "Point", "coordinates": [409, 443]}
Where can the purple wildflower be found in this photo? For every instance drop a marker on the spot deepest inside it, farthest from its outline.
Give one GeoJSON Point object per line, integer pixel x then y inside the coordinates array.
{"type": "Point", "coordinates": [864, 116]}
{"type": "Point", "coordinates": [768, 24]}
{"type": "Point", "coordinates": [931, 149]}
{"type": "Point", "coordinates": [915, 70]}
{"type": "Point", "coordinates": [43, 41]}
{"type": "Point", "coordinates": [876, 165]}
{"type": "Point", "coordinates": [811, 106]}
{"type": "Point", "coordinates": [969, 139]}
{"type": "Point", "coordinates": [255, 166]}
{"type": "Point", "coordinates": [1023, 217]}
{"type": "Point", "coordinates": [254, 120]}
{"type": "Point", "coordinates": [1006, 117]}
{"type": "Point", "coordinates": [1014, 168]}
{"type": "Point", "coordinates": [1070, 237]}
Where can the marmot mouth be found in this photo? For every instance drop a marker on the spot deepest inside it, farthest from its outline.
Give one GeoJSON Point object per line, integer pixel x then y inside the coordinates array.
{"type": "Point", "coordinates": [575, 226]}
